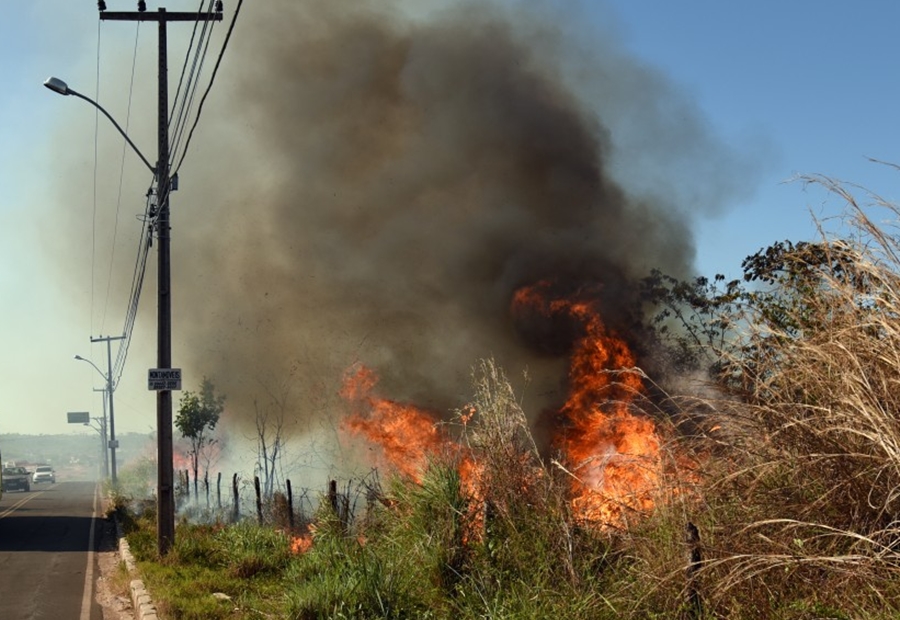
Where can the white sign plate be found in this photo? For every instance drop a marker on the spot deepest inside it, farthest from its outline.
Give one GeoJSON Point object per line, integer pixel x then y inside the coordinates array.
{"type": "Point", "coordinates": [164, 379]}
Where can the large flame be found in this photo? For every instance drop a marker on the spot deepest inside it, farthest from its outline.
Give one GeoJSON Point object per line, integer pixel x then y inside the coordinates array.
{"type": "Point", "coordinates": [612, 454]}
{"type": "Point", "coordinates": [407, 435]}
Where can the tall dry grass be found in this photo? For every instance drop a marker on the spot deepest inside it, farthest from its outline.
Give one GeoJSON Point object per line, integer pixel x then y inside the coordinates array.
{"type": "Point", "coordinates": [801, 503]}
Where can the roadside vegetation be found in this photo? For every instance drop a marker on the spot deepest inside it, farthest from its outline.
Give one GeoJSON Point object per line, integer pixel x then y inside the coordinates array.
{"type": "Point", "coordinates": [779, 500]}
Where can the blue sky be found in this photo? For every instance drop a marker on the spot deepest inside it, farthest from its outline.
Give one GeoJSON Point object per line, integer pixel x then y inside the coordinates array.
{"type": "Point", "coordinates": [801, 87]}
{"type": "Point", "coordinates": [816, 81]}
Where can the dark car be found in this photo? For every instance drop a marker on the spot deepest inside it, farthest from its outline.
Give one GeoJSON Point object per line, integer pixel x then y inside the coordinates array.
{"type": "Point", "coordinates": [16, 479]}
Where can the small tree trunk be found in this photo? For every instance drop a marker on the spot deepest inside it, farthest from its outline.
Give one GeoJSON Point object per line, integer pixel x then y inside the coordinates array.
{"type": "Point", "coordinates": [206, 486]}
{"type": "Point", "coordinates": [219, 491]}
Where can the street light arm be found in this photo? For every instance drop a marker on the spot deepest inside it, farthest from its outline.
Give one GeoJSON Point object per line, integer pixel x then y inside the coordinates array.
{"type": "Point", "coordinates": [84, 359]}
{"type": "Point", "coordinates": [58, 86]}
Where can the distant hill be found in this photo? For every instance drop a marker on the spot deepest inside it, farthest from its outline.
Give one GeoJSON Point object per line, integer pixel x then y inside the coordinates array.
{"type": "Point", "coordinates": [68, 450]}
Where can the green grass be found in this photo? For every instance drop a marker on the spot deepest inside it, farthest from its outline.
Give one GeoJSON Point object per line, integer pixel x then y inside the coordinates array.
{"type": "Point", "coordinates": [790, 475]}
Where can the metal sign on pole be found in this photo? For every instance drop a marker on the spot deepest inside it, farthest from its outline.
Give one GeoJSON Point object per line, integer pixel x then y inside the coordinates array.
{"type": "Point", "coordinates": [164, 379]}
{"type": "Point", "coordinates": [79, 417]}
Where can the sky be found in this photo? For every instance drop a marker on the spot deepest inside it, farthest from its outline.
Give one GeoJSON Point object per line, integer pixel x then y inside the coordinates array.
{"type": "Point", "coordinates": [782, 89]}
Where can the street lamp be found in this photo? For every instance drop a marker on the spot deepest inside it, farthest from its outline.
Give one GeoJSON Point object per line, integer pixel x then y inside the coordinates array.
{"type": "Point", "coordinates": [59, 86]}
{"type": "Point", "coordinates": [112, 419]}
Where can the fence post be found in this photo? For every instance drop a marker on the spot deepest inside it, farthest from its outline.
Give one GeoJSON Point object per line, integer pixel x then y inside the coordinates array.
{"type": "Point", "coordinates": [259, 515]}
{"type": "Point", "coordinates": [236, 510]}
{"type": "Point", "coordinates": [290, 500]}
{"type": "Point", "coordinates": [206, 486]}
{"type": "Point", "coordinates": [219, 490]}
{"type": "Point", "coordinates": [695, 559]}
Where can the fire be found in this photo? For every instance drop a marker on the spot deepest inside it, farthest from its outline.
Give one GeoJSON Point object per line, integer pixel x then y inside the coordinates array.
{"type": "Point", "coordinates": [301, 544]}
{"type": "Point", "coordinates": [613, 454]}
{"type": "Point", "coordinates": [407, 434]}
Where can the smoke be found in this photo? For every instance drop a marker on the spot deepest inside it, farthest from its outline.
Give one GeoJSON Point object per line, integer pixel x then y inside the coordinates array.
{"type": "Point", "coordinates": [369, 185]}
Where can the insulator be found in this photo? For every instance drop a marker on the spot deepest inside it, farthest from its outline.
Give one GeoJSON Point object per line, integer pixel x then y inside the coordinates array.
{"type": "Point", "coordinates": [142, 6]}
{"type": "Point", "coordinates": [219, 6]}
{"type": "Point", "coordinates": [101, 5]}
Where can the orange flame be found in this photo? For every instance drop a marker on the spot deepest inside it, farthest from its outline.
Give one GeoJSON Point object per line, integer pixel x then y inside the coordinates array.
{"type": "Point", "coordinates": [301, 544]}
{"type": "Point", "coordinates": [613, 454]}
{"type": "Point", "coordinates": [407, 434]}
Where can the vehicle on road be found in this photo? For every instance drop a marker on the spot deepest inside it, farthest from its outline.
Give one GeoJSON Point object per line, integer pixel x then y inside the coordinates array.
{"type": "Point", "coordinates": [16, 479]}
{"type": "Point", "coordinates": [43, 473]}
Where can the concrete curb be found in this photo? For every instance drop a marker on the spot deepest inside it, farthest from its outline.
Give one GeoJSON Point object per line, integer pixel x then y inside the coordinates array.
{"type": "Point", "coordinates": [144, 609]}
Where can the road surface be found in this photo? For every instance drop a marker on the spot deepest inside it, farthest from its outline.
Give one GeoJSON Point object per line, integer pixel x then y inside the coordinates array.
{"type": "Point", "coordinates": [48, 564]}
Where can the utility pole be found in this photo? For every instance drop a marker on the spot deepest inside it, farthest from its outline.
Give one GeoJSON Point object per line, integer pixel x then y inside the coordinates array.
{"type": "Point", "coordinates": [165, 491]}
{"type": "Point", "coordinates": [110, 388]}
{"type": "Point", "coordinates": [103, 440]}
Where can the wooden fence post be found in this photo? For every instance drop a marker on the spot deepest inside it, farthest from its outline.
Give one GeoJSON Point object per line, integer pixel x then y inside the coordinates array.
{"type": "Point", "coordinates": [695, 559]}
{"type": "Point", "coordinates": [290, 500]}
{"type": "Point", "coordinates": [236, 510]}
{"type": "Point", "coordinates": [259, 514]}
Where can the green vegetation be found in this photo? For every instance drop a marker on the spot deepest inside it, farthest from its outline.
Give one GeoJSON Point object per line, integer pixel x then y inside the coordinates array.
{"type": "Point", "coordinates": [785, 461]}
{"type": "Point", "coordinates": [197, 417]}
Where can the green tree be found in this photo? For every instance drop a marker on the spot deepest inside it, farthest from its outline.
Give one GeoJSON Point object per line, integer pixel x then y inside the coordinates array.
{"type": "Point", "coordinates": [197, 417]}
{"type": "Point", "coordinates": [737, 330]}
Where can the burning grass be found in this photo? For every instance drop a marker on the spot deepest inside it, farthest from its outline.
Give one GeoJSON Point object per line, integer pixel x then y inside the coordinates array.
{"type": "Point", "coordinates": [777, 498]}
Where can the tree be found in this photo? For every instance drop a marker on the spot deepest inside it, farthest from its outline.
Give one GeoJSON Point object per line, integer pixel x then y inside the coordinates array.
{"type": "Point", "coordinates": [738, 330]}
{"type": "Point", "coordinates": [197, 417]}
{"type": "Point", "coordinates": [270, 436]}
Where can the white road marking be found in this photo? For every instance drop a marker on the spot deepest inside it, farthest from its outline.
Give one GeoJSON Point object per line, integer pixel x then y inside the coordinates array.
{"type": "Point", "coordinates": [19, 503]}
{"type": "Point", "coordinates": [88, 594]}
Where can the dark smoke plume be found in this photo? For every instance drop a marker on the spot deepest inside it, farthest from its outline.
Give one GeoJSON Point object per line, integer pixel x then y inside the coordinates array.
{"type": "Point", "coordinates": [372, 187]}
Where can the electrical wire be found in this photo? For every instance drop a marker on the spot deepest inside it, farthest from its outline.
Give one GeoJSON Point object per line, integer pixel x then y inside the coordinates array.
{"type": "Point", "coordinates": [96, 157]}
{"type": "Point", "coordinates": [187, 81]}
{"type": "Point", "coordinates": [212, 79]}
{"type": "Point", "coordinates": [112, 257]}
{"type": "Point", "coordinates": [137, 285]}
{"type": "Point", "coordinates": [186, 55]}
{"type": "Point", "coordinates": [183, 106]}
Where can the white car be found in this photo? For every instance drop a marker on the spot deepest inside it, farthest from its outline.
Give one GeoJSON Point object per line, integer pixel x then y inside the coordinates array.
{"type": "Point", "coordinates": [43, 473]}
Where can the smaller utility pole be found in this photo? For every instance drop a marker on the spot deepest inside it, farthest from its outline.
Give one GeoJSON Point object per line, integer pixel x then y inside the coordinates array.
{"type": "Point", "coordinates": [110, 388]}
{"type": "Point", "coordinates": [104, 442]}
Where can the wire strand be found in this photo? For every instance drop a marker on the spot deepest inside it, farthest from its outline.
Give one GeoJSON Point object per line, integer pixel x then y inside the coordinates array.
{"type": "Point", "coordinates": [186, 101]}
{"type": "Point", "coordinates": [112, 257]}
{"type": "Point", "coordinates": [209, 86]}
{"type": "Point", "coordinates": [94, 191]}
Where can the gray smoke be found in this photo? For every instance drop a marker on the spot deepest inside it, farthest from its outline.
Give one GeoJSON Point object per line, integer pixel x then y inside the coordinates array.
{"type": "Point", "coordinates": [370, 186]}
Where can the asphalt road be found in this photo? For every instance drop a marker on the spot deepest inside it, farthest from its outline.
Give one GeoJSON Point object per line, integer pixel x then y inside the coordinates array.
{"type": "Point", "coordinates": [48, 564]}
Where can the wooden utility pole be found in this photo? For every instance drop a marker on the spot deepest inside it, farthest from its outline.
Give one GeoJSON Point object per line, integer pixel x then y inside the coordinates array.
{"type": "Point", "coordinates": [166, 483]}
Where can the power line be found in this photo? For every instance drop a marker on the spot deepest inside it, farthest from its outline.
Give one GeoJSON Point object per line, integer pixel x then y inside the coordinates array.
{"type": "Point", "coordinates": [112, 257]}
{"type": "Point", "coordinates": [209, 86]}
{"type": "Point", "coordinates": [176, 129]}
{"type": "Point", "coordinates": [94, 207]}
{"type": "Point", "coordinates": [137, 285]}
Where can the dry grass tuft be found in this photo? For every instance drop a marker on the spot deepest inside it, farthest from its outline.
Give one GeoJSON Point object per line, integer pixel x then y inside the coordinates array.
{"type": "Point", "coordinates": [803, 504]}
